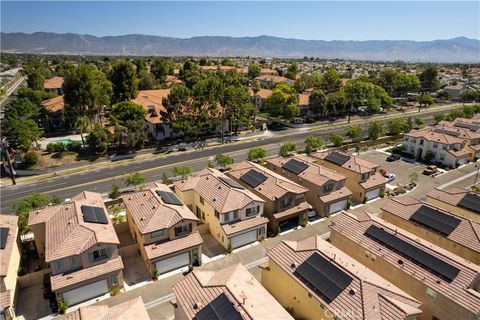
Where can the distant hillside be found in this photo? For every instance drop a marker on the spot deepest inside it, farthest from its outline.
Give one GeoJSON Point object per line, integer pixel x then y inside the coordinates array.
{"type": "Point", "coordinates": [453, 50]}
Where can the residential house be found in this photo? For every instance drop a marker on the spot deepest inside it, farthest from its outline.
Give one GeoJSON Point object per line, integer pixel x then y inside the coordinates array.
{"type": "Point", "coordinates": [273, 80]}
{"type": "Point", "coordinates": [327, 192]}
{"type": "Point", "coordinates": [303, 103]}
{"type": "Point", "coordinates": [132, 309]}
{"type": "Point", "coordinates": [79, 242]}
{"type": "Point", "coordinates": [9, 265]}
{"type": "Point", "coordinates": [152, 102]}
{"type": "Point", "coordinates": [268, 72]}
{"type": "Point", "coordinates": [315, 280]}
{"type": "Point", "coordinates": [455, 91]}
{"type": "Point", "coordinates": [164, 228]}
{"type": "Point", "coordinates": [447, 285]}
{"type": "Point", "coordinates": [54, 85]}
{"type": "Point", "coordinates": [461, 202]}
{"type": "Point", "coordinates": [234, 214]}
{"type": "Point", "coordinates": [363, 178]}
{"type": "Point", "coordinates": [456, 234]}
{"type": "Point", "coordinates": [258, 99]}
{"type": "Point", "coordinates": [230, 293]}
{"type": "Point", "coordinates": [285, 201]}
{"type": "Point", "coordinates": [53, 116]}
{"type": "Point", "coordinates": [440, 146]}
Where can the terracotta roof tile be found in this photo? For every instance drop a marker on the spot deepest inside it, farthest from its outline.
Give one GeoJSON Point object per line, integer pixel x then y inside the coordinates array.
{"type": "Point", "coordinates": [156, 250]}
{"type": "Point", "coordinates": [336, 195]}
{"type": "Point", "coordinates": [152, 102]}
{"type": "Point", "coordinates": [232, 228]}
{"type": "Point", "coordinates": [5, 299]}
{"type": "Point", "coordinates": [374, 181]}
{"type": "Point", "coordinates": [53, 83]}
{"type": "Point", "coordinates": [10, 222]}
{"type": "Point", "coordinates": [429, 135]}
{"type": "Point", "coordinates": [450, 196]}
{"type": "Point", "coordinates": [54, 104]}
{"type": "Point", "coordinates": [355, 163]}
{"type": "Point", "coordinates": [133, 309]}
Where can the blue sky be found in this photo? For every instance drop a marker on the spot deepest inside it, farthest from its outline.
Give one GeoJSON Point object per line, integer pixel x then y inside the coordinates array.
{"type": "Point", "coordinates": [339, 20]}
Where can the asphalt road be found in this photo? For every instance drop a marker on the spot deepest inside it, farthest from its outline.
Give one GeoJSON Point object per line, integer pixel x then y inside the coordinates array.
{"type": "Point", "coordinates": [10, 97]}
{"type": "Point", "coordinates": [101, 179]}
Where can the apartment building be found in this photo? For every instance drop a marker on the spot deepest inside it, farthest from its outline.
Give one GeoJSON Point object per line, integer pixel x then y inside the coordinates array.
{"type": "Point", "coordinates": [79, 242]}
{"type": "Point", "coordinates": [230, 293]}
{"type": "Point", "coordinates": [315, 280]}
{"type": "Point", "coordinates": [461, 202]}
{"type": "Point", "coordinates": [9, 265]}
{"type": "Point", "coordinates": [456, 234]}
{"type": "Point", "coordinates": [447, 286]}
{"type": "Point", "coordinates": [285, 201]}
{"type": "Point", "coordinates": [258, 98]}
{"type": "Point", "coordinates": [327, 192]}
{"type": "Point", "coordinates": [470, 133]}
{"type": "Point", "coordinates": [234, 214]}
{"type": "Point", "coordinates": [164, 228]}
{"type": "Point", "coordinates": [363, 178]}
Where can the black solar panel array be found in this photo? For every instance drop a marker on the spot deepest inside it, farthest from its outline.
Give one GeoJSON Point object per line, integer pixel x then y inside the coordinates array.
{"type": "Point", "coordinates": [94, 214]}
{"type": "Point", "coordinates": [471, 202]}
{"type": "Point", "coordinates": [470, 126]}
{"type": "Point", "coordinates": [169, 197]}
{"type": "Point", "coordinates": [413, 253]}
{"type": "Point", "coordinates": [435, 219]}
{"type": "Point", "coordinates": [231, 183]}
{"type": "Point", "coordinates": [253, 178]}
{"type": "Point", "coordinates": [337, 158]}
{"type": "Point", "coordinates": [3, 237]}
{"type": "Point", "coordinates": [219, 309]}
{"type": "Point", "coordinates": [323, 276]}
{"type": "Point", "coordinates": [295, 166]}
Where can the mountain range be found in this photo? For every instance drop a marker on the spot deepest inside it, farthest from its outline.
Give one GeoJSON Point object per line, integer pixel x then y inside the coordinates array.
{"type": "Point", "coordinates": [456, 50]}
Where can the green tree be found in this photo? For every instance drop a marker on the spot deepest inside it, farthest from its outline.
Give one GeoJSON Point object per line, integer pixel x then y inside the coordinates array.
{"type": "Point", "coordinates": [254, 70]}
{"type": "Point", "coordinates": [287, 149]}
{"type": "Point", "coordinates": [419, 122]}
{"type": "Point", "coordinates": [397, 126]}
{"type": "Point", "coordinates": [318, 102]}
{"type": "Point", "coordinates": [20, 109]}
{"type": "Point", "coordinates": [355, 133]}
{"type": "Point", "coordinates": [437, 117]}
{"type": "Point", "coordinates": [425, 100]}
{"type": "Point", "coordinates": [413, 177]}
{"type": "Point", "coordinates": [470, 95]}
{"type": "Point", "coordinates": [34, 96]}
{"type": "Point", "coordinates": [239, 110]}
{"type": "Point", "coordinates": [312, 144]}
{"type": "Point", "coordinates": [444, 95]}
{"type": "Point", "coordinates": [281, 101]}
{"type": "Point", "coordinates": [228, 62]}
{"type": "Point", "coordinates": [183, 172]}
{"type": "Point", "coordinates": [429, 79]}
{"type": "Point", "coordinates": [336, 139]}
{"type": "Point", "coordinates": [35, 80]}
{"type": "Point", "coordinates": [27, 132]}
{"type": "Point", "coordinates": [124, 81]}
{"type": "Point", "coordinates": [127, 111]}
{"type": "Point", "coordinates": [362, 93]}
{"type": "Point", "coordinates": [331, 81]}
{"type": "Point", "coordinates": [165, 179]}
{"type": "Point", "coordinates": [224, 161]}
{"type": "Point", "coordinates": [136, 133]}
{"type": "Point", "coordinates": [161, 67]}
{"type": "Point", "coordinates": [292, 71]}
{"type": "Point", "coordinates": [115, 193]}
{"type": "Point", "coordinates": [337, 102]}
{"type": "Point", "coordinates": [135, 179]}
{"type": "Point", "coordinates": [23, 207]}
{"type": "Point", "coordinates": [82, 126]}
{"type": "Point", "coordinates": [256, 154]}
{"type": "Point", "coordinates": [98, 139]}
{"type": "Point", "coordinates": [146, 80]}
{"type": "Point", "coordinates": [375, 130]}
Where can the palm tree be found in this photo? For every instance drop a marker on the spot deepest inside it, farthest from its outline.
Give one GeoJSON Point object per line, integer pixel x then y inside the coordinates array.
{"type": "Point", "coordinates": [82, 125]}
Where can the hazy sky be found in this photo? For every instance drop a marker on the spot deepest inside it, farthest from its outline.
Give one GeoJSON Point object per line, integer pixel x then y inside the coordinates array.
{"type": "Point", "coordinates": [339, 20]}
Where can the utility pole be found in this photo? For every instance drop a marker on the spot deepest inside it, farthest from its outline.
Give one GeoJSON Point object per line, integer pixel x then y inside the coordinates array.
{"type": "Point", "coordinates": [9, 161]}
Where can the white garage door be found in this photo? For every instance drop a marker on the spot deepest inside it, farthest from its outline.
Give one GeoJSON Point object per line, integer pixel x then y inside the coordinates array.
{"type": "Point", "coordinates": [372, 194]}
{"type": "Point", "coordinates": [462, 161]}
{"type": "Point", "coordinates": [85, 293]}
{"type": "Point", "coordinates": [338, 206]}
{"type": "Point", "coordinates": [243, 239]}
{"type": "Point", "coordinates": [176, 262]}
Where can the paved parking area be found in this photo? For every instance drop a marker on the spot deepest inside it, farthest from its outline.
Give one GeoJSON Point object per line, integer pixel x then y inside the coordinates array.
{"type": "Point", "coordinates": [30, 303]}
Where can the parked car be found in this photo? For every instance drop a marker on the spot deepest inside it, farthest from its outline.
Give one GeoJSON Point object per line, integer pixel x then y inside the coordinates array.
{"type": "Point", "coordinates": [430, 170]}
{"type": "Point", "coordinates": [390, 176]}
{"type": "Point", "coordinates": [393, 157]}
{"type": "Point", "coordinates": [383, 172]}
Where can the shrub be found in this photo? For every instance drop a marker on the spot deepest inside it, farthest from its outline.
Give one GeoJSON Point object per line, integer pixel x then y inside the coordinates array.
{"type": "Point", "coordinates": [156, 273]}
{"type": "Point", "coordinates": [114, 291]}
{"type": "Point", "coordinates": [31, 158]}
{"type": "Point", "coordinates": [74, 146]}
{"type": "Point", "coordinates": [54, 147]}
{"type": "Point", "coordinates": [115, 192]}
{"type": "Point", "coordinates": [349, 204]}
{"type": "Point", "coordinates": [303, 223]}
{"type": "Point", "coordinates": [229, 248]}
{"type": "Point", "coordinates": [62, 306]}
{"type": "Point", "coordinates": [364, 200]}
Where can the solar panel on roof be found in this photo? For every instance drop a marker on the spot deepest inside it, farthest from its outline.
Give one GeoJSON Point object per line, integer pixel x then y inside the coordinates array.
{"type": "Point", "coordinates": [449, 132]}
{"type": "Point", "coordinates": [435, 219]}
{"type": "Point", "coordinates": [3, 237]}
{"type": "Point", "coordinates": [169, 197]}
{"type": "Point", "coordinates": [221, 308]}
{"type": "Point", "coordinates": [295, 166]}
{"type": "Point", "coordinates": [94, 214]}
{"type": "Point", "coordinates": [470, 126]}
{"type": "Point", "coordinates": [422, 258]}
{"type": "Point", "coordinates": [337, 158]}
{"type": "Point", "coordinates": [471, 202]}
{"type": "Point", "coordinates": [323, 276]}
{"type": "Point", "coordinates": [253, 178]}
{"type": "Point", "coordinates": [231, 183]}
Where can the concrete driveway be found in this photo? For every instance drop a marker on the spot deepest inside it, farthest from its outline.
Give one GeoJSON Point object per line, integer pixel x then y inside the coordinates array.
{"type": "Point", "coordinates": [211, 248]}
{"type": "Point", "coordinates": [135, 271]}
{"type": "Point", "coordinates": [30, 303]}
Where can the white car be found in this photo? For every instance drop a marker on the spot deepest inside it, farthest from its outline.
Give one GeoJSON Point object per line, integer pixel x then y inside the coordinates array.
{"type": "Point", "coordinates": [389, 176]}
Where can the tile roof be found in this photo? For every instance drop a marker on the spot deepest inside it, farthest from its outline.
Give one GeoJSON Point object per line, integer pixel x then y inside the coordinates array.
{"type": "Point", "coordinates": [374, 297]}
{"type": "Point", "coordinates": [336, 195]}
{"type": "Point", "coordinates": [293, 211]}
{"type": "Point", "coordinates": [314, 173]}
{"type": "Point", "coordinates": [5, 299]}
{"type": "Point", "coordinates": [355, 163]}
{"type": "Point", "coordinates": [53, 83]}
{"type": "Point", "coordinates": [262, 93]}
{"type": "Point", "coordinates": [133, 309]}
{"type": "Point", "coordinates": [64, 280]}
{"type": "Point", "coordinates": [248, 296]}
{"type": "Point", "coordinates": [54, 104]}
{"type": "Point", "coordinates": [217, 193]}
{"type": "Point", "coordinates": [150, 213]}
{"type": "Point", "coordinates": [303, 99]}
{"type": "Point", "coordinates": [274, 187]}
{"type": "Point", "coordinates": [374, 181]}
{"type": "Point", "coordinates": [450, 196]}
{"type": "Point", "coordinates": [459, 132]}
{"type": "Point", "coordinates": [232, 228]}
{"type": "Point", "coordinates": [66, 233]}
{"type": "Point", "coordinates": [274, 79]}
{"type": "Point", "coordinates": [467, 233]}
{"type": "Point", "coordinates": [459, 289]}
{"type": "Point", "coordinates": [429, 135]}
{"type": "Point", "coordinates": [156, 250]}
{"type": "Point", "coordinates": [152, 102]}
{"type": "Point", "coordinates": [10, 222]}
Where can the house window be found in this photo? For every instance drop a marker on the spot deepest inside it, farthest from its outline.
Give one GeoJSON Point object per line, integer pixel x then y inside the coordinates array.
{"type": "Point", "coordinates": [226, 217]}
{"type": "Point", "coordinates": [421, 142]}
{"type": "Point", "coordinates": [59, 265]}
{"type": "Point", "coordinates": [435, 145]}
{"type": "Point", "coordinates": [285, 202]}
{"type": "Point", "coordinates": [445, 147]}
{"type": "Point", "coordinates": [100, 254]}
{"type": "Point", "coordinates": [299, 196]}
{"type": "Point", "coordinates": [251, 211]}
{"type": "Point", "coordinates": [235, 215]}
{"type": "Point", "coordinates": [74, 261]}
{"type": "Point", "coordinates": [181, 229]}
{"type": "Point", "coordinates": [157, 233]}
{"type": "Point", "coordinates": [201, 200]}
{"type": "Point", "coordinates": [115, 280]}
{"type": "Point", "coordinates": [365, 176]}
{"type": "Point", "coordinates": [328, 188]}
